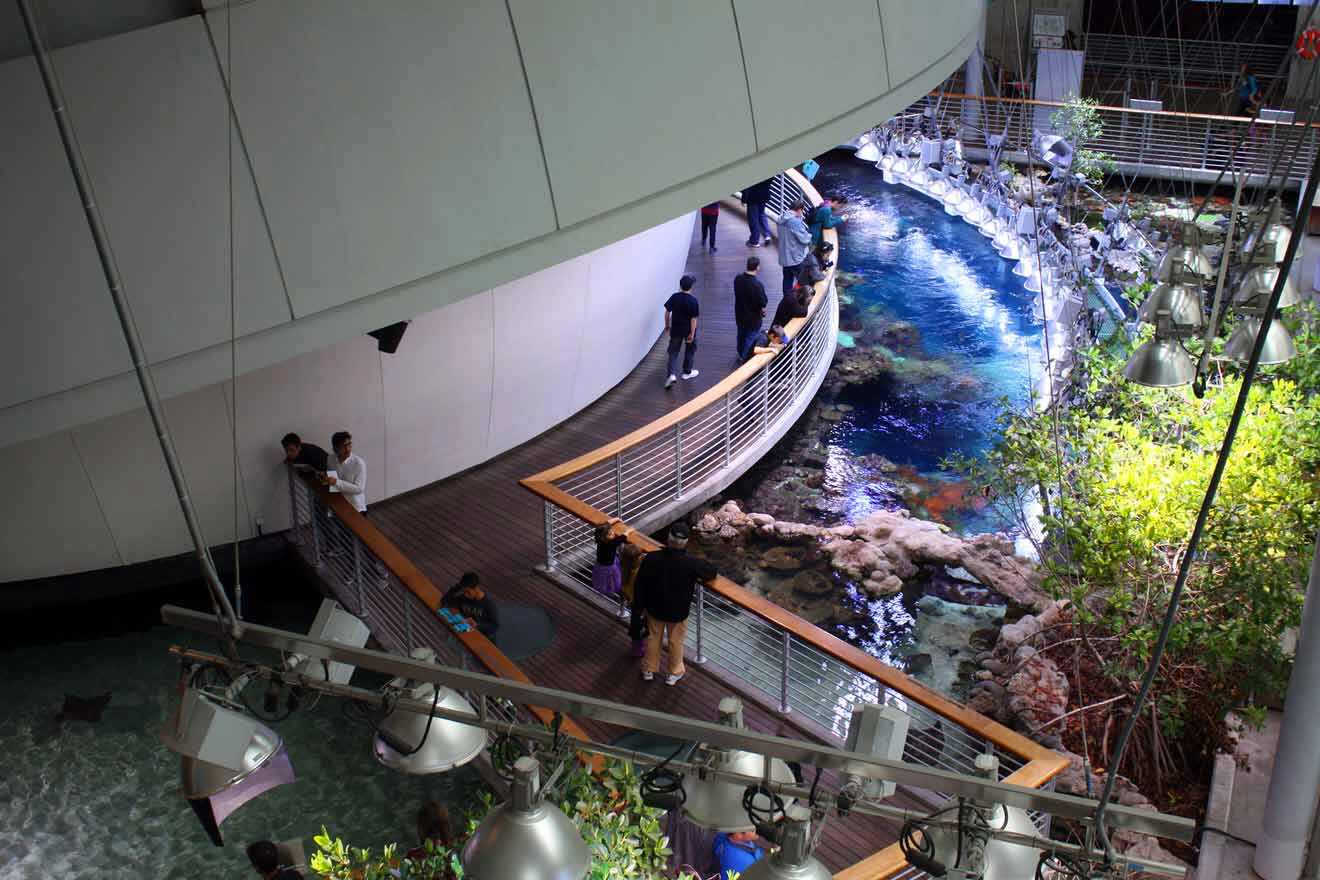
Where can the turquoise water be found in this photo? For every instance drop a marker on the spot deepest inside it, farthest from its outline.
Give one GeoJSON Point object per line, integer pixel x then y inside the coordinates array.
{"type": "Point", "coordinates": [977, 349]}
{"type": "Point", "coordinates": [102, 800]}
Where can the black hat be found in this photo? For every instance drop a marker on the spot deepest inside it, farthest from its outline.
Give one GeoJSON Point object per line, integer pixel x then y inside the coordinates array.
{"type": "Point", "coordinates": [686, 282]}
{"type": "Point", "coordinates": [679, 530]}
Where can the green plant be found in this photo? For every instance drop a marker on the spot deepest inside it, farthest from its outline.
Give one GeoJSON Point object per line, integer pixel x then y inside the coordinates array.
{"type": "Point", "coordinates": [622, 833]}
{"type": "Point", "coordinates": [1078, 122]}
{"type": "Point", "coordinates": [1120, 488]}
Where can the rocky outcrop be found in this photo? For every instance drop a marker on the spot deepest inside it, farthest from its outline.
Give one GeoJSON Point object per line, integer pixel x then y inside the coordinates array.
{"type": "Point", "coordinates": [884, 549]}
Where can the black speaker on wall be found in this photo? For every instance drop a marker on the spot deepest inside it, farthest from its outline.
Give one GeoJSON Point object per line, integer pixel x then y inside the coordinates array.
{"type": "Point", "coordinates": [387, 338]}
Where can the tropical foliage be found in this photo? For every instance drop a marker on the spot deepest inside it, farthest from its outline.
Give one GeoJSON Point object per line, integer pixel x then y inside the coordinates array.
{"type": "Point", "coordinates": [1078, 122]}
{"type": "Point", "coordinates": [1121, 478]}
{"type": "Point", "coordinates": [623, 834]}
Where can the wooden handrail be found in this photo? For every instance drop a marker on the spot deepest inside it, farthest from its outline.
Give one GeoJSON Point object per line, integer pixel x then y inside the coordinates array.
{"type": "Point", "coordinates": [710, 395]}
{"type": "Point", "coordinates": [1032, 102]}
{"type": "Point", "coordinates": [483, 649]}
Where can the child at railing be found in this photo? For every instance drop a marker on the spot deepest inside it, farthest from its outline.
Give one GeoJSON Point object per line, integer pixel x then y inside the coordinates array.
{"type": "Point", "coordinates": [630, 561]}
{"type": "Point", "coordinates": [606, 578]}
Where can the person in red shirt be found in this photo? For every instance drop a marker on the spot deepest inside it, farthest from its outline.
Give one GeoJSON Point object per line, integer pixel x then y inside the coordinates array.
{"type": "Point", "coordinates": [710, 215]}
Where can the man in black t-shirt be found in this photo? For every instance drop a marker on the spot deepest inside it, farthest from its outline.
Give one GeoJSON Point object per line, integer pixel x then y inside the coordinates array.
{"type": "Point", "coordinates": [304, 455]}
{"type": "Point", "coordinates": [749, 302]}
{"type": "Point", "coordinates": [681, 310]}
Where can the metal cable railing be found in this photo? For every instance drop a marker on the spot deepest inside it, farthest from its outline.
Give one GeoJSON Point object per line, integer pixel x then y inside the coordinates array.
{"type": "Point", "coordinates": [1141, 141]}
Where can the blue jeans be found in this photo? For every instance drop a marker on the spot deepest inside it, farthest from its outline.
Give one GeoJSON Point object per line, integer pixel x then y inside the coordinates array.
{"type": "Point", "coordinates": [757, 227]}
{"type": "Point", "coordinates": [676, 343]}
{"type": "Point", "coordinates": [747, 341]}
{"type": "Point", "coordinates": [790, 276]}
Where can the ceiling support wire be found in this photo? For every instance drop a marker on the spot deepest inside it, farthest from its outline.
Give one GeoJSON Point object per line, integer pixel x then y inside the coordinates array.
{"type": "Point", "coordinates": [1207, 502]}
{"type": "Point", "coordinates": [233, 299]}
{"type": "Point", "coordinates": [224, 612]}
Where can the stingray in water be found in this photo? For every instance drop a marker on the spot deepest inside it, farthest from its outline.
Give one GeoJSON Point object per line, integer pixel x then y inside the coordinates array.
{"type": "Point", "coordinates": [87, 709]}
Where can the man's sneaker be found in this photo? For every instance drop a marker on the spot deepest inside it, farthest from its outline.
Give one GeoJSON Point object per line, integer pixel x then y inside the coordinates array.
{"type": "Point", "coordinates": [690, 374]}
{"type": "Point", "coordinates": [713, 249]}
{"type": "Point", "coordinates": [672, 680]}
{"type": "Point", "coordinates": [648, 676]}
{"type": "Point", "coordinates": [671, 380]}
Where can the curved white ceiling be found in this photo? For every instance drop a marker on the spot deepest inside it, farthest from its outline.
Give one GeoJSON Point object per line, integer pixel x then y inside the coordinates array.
{"type": "Point", "coordinates": [392, 158]}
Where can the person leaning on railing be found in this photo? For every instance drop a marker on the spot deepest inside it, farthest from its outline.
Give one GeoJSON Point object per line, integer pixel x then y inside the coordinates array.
{"type": "Point", "coordinates": [666, 586]}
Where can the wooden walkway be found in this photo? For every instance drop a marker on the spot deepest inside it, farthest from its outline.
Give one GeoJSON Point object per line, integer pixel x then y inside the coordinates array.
{"type": "Point", "coordinates": [483, 520]}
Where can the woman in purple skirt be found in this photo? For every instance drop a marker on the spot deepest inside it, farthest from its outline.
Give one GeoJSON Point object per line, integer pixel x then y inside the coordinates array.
{"type": "Point", "coordinates": [606, 577]}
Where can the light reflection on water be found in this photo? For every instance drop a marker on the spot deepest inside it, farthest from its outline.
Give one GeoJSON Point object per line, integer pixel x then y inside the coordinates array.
{"type": "Point", "coordinates": [922, 266]}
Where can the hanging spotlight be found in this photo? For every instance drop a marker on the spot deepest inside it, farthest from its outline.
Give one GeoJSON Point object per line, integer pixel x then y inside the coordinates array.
{"type": "Point", "coordinates": [1183, 262]}
{"type": "Point", "coordinates": [227, 758]}
{"type": "Point", "coordinates": [794, 860]}
{"type": "Point", "coordinates": [1278, 349]}
{"type": "Point", "coordinates": [1180, 300]}
{"type": "Point", "coordinates": [1268, 241]}
{"type": "Point", "coordinates": [1259, 283]}
{"type": "Point", "coordinates": [1160, 362]}
{"type": "Point", "coordinates": [526, 838]}
{"type": "Point", "coordinates": [868, 151]}
{"type": "Point", "coordinates": [1055, 151]}
{"type": "Point", "coordinates": [417, 743]}
{"type": "Point", "coordinates": [999, 859]}
{"type": "Point", "coordinates": [719, 805]}
{"type": "Point", "coordinates": [333, 624]}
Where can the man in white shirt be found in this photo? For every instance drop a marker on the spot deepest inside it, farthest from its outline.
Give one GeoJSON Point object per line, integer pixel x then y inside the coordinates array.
{"type": "Point", "coordinates": [351, 475]}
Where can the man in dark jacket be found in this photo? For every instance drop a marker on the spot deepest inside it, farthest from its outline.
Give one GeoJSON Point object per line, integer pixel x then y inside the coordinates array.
{"type": "Point", "coordinates": [755, 197]}
{"type": "Point", "coordinates": [304, 455]}
{"type": "Point", "coordinates": [666, 585]}
{"type": "Point", "coordinates": [749, 303]}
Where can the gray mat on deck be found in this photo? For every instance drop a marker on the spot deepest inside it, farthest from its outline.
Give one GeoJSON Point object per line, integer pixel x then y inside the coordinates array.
{"type": "Point", "coordinates": [525, 630]}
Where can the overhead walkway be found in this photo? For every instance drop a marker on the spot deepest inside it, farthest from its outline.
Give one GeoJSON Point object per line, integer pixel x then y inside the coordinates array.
{"type": "Point", "coordinates": [795, 679]}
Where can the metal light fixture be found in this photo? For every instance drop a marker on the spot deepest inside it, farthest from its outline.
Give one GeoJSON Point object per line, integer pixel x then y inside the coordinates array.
{"type": "Point", "coordinates": [334, 624]}
{"type": "Point", "coordinates": [1182, 301]}
{"type": "Point", "coordinates": [1183, 260]}
{"type": "Point", "coordinates": [1160, 362]}
{"type": "Point", "coordinates": [718, 805]}
{"type": "Point", "coordinates": [1055, 151]}
{"type": "Point", "coordinates": [417, 743]}
{"type": "Point", "coordinates": [1268, 242]}
{"type": "Point", "coordinates": [227, 757]}
{"type": "Point", "coordinates": [1000, 860]}
{"type": "Point", "coordinates": [1259, 283]}
{"type": "Point", "coordinates": [1278, 349]}
{"type": "Point", "coordinates": [868, 151]}
{"type": "Point", "coordinates": [794, 860]}
{"type": "Point", "coordinates": [526, 838]}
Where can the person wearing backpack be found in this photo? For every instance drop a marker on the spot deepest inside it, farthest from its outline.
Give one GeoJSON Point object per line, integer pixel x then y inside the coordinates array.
{"type": "Point", "coordinates": [794, 240]}
{"type": "Point", "coordinates": [821, 217]}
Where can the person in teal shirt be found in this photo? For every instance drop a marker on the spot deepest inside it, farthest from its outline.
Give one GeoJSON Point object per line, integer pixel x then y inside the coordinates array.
{"type": "Point", "coordinates": [736, 852]}
{"type": "Point", "coordinates": [823, 219]}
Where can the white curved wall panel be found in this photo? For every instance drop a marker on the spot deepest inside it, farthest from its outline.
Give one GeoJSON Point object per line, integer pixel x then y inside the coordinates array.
{"type": "Point", "coordinates": [389, 141]}
{"type": "Point", "coordinates": [58, 332]}
{"type": "Point", "coordinates": [397, 157]}
{"type": "Point", "coordinates": [632, 97]}
{"type": "Point", "coordinates": [469, 381]}
{"type": "Point", "coordinates": [828, 68]}
{"type": "Point", "coordinates": [149, 108]}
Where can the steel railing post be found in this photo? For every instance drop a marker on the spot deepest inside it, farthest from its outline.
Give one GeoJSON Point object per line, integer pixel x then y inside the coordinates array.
{"type": "Point", "coordinates": [793, 364]}
{"type": "Point", "coordinates": [357, 576]}
{"type": "Point", "coordinates": [783, 672]}
{"type": "Point", "coordinates": [316, 532]}
{"type": "Point", "coordinates": [1205, 147]}
{"type": "Point", "coordinates": [550, 561]}
{"type": "Point", "coordinates": [407, 622]}
{"type": "Point", "coordinates": [728, 428]}
{"type": "Point", "coordinates": [765, 398]}
{"type": "Point", "coordinates": [701, 620]}
{"type": "Point", "coordinates": [678, 460]}
{"type": "Point", "coordinates": [294, 526]}
{"type": "Point", "coordinates": [618, 485]}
